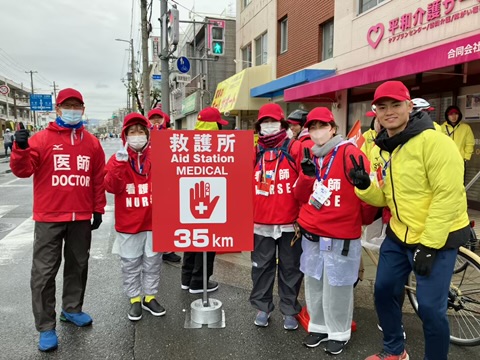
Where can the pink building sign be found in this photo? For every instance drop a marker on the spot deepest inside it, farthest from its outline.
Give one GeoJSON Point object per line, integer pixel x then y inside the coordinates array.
{"type": "Point", "coordinates": [452, 53]}
{"type": "Point", "coordinates": [438, 13]}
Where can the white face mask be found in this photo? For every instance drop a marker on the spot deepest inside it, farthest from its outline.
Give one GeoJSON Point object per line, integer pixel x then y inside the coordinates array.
{"type": "Point", "coordinates": [137, 142]}
{"type": "Point", "coordinates": [71, 116]}
{"type": "Point", "coordinates": [290, 133]}
{"type": "Point", "coordinates": [270, 128]}
{"type": "Point", "coordinates": [321, 136]}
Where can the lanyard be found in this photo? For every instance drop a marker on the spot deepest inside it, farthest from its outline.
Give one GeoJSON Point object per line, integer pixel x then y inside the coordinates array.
{"type": "Point", "coordinates": [388, 162]}
{"type": "Point", "coordinates": [318, 169]}
{"type": "Point", "coordinates": [263, 174]}
{"type": "Point", "coordinates": [448, 132]}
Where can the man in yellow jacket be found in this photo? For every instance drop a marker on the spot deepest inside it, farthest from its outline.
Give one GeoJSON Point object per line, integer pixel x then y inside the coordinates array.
{"type": "Point", "coordinates": [419, 177]}
{"type": "Point", "coordinates": [460, 132]}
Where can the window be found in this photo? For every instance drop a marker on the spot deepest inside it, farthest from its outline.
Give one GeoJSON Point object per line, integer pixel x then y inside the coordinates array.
{"type": "Point", "coordinates": [283, 35]}
{"type": "Point", "coordinates": [327, 40]}
{"type": "Point", "coordinates": [364, 5]}
{"type": "Point", "coordinates": [261, 50]}
{"type": "Point", "coordinates": [247, 56]}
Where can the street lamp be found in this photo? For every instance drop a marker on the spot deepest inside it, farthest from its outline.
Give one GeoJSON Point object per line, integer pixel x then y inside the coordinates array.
{"type": "Point", "coordinates": [134, 102]}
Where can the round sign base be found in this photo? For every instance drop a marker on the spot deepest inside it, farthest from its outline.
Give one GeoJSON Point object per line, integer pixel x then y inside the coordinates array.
{"type": "Point", "coordinates": [211, 315]}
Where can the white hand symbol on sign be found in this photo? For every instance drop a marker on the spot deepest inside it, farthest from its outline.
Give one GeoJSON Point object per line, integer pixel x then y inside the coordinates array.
{"type": "Point", "coordinates": [201, 206]}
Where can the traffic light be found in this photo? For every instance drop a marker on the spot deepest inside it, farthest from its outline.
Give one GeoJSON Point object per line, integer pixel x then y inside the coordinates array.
{"type": "Point", "coordinates": [217, 37]}
{"type": "Point", "coordinates": [173, 28]}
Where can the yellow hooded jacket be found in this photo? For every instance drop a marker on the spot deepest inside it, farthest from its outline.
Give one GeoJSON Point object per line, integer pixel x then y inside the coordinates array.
{"type": "Point", "coordinates": [423, 187]}
{"type": "Point", "coordinates": [463, 137]}
{"type": "Point", "coordinates": [206, 125]}
{"type": "Point", "coordinates": [369, 143]}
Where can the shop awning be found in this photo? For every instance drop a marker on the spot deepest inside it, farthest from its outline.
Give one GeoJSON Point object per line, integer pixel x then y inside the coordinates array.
{"type": "Point", "coordinates": [277, 87]}
{"type": "Point", "coordinates": [233, 94]}
{"type": "Point", "coordinates": [452, 53]}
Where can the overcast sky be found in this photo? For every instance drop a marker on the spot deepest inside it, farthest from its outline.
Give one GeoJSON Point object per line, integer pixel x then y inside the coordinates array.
{"type": "Point", "coordinates": [72, 43]}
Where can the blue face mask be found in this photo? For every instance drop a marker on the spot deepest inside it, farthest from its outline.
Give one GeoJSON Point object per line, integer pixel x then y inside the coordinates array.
{"type": "Point", "coordinates": [71, 117]}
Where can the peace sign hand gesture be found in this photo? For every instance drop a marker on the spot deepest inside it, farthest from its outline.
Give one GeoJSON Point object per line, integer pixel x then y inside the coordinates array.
{"type": "Point", "coordinates": [359, 176]}
{"type": "Point", "coordinates": [308, 166]}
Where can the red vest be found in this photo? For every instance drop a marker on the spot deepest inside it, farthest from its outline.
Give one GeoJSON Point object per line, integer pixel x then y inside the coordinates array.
{"type": "Point", "coordinates": [341, 215]}
{"type": "Point", "coordinates": [280, 206]}
{"type": "Point", "coordinates": [133, 193]}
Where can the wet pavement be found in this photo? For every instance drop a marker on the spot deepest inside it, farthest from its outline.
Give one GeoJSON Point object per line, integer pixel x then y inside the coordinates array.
{"type": "Point", "coordinates": [113, 336]}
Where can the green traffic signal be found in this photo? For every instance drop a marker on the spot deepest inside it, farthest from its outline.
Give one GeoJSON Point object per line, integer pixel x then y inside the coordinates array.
{"type": "Point", "coordinates": [217, 47]}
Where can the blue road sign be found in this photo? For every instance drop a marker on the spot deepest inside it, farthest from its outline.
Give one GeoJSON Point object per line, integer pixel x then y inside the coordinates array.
{"type": "Point", "coordinates": [156, 77]}
{"type": "Point", "coordinates": [183, 64]}
{"type": "Point", "coordinates": [41, 102]}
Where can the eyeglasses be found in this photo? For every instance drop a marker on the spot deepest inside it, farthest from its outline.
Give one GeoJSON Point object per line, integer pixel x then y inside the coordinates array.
{"type": "Point", "coordinates": [72, 106]}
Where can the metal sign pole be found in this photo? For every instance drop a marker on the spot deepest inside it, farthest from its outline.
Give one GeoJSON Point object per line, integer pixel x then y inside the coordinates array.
{"type": "Point", "coordinates": [205, 311]}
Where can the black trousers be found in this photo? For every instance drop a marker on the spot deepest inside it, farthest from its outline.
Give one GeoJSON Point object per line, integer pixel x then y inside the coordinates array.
{"type": "Point", "coordinates": [47, 257]}
{"type": "Point", "coordinates": [264, 268]}
{"type": "Point", "coordinates": [192, 268]}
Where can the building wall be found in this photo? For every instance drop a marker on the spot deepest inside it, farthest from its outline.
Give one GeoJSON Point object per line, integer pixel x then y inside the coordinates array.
{"type": "Point", "coordinates": [304, 33]}
{"type": "Point", "coordinates": [352, 49]}
{"type": "Point", "coordinates": [253, 20]}
{"type": "Point", "coordinates": [21, 93]}
{"type": "Point", "coordinates": [205, 74]}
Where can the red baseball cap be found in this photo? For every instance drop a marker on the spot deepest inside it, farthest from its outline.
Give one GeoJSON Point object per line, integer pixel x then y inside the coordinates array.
{"type": "Point", "coordinates": [159, 112]}
{"type": "Point", "coordinates": [68, 93]}
{"type": "Point", "coordinates": [453, 111]}
{"type": "Point", "coordinates": [392, 90]}
{"type": "Point", "coordinates": [322, 114]}
{"type": "Point", "coordinates": [211, 114]}
{"type": "Point", "coordinates": [271, 110]}
{"type": "Point", "coordinates": [370, 114]}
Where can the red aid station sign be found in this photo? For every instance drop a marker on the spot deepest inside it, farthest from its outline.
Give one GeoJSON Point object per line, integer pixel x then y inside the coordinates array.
{"type": "Point", "coordinates": [202, 191]}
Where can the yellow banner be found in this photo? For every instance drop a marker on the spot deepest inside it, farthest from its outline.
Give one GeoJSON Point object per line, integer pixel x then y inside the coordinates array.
{"type": "Point", "coordinates": [227, 92]}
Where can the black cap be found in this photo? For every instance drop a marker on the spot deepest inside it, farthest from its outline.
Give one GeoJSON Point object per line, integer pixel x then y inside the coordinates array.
{"type": "Point", "coordinates": [298, 117]}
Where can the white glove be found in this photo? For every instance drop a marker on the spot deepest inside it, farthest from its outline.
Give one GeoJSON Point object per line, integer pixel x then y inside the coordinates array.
{"type": "Point", "coordinates": [122, 154]}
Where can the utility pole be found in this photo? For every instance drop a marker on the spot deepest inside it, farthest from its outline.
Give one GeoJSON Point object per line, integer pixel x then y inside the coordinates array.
{"type": "Point", "coordinates": [134, 85]}
{"type": "Point", "coordinates": [146, 72]}
{"type": "Point", "coordinates": [164, 58]}
{"type": "Point", "coordinates": [33, 92]}
{"type": "Point", "coordinates": [54, 90]}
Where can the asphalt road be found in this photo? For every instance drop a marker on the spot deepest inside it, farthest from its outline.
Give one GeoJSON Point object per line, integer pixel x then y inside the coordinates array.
{"type": "Point", "coordinates": [113, 336]}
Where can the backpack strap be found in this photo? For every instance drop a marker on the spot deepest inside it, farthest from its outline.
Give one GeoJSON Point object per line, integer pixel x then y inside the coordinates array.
{"type": "Point", "coordinates": [284, 150]}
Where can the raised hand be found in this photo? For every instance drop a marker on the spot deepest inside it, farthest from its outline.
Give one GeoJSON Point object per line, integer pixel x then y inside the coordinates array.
{"type": "Point", "coordinates": [21, 136]}
{"type": "Point", "coordinates": [308, 166]}
{"type": "Point", "coordinates": [122, 154]}
{"type": "Point", "coordinates": [359, 176]}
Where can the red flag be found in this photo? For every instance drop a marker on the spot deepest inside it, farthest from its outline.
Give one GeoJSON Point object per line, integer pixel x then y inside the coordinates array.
{"type": "Point", "coordinates": [355, 134]}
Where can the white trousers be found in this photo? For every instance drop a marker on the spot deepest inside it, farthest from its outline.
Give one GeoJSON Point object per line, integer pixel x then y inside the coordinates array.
{"type": "Point", "coordinates": [330, 308]}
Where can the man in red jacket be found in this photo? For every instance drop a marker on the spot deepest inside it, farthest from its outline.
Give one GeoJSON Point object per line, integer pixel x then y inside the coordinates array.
{"type": "Point", "coordinates": [68, 167]}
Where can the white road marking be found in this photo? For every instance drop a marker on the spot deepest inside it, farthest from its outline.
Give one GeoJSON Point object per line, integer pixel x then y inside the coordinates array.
{"type": "Point", "coordinates": [16, 242]}
{"type": "Point", "coordinates": [6, 208]}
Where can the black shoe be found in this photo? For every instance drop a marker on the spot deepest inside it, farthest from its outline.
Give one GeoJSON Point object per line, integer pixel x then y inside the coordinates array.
{"type": "Point", "coordinates": [314, 339]}
{"type": "Point", "coordinates": [135, 312]}
{"type": "Point", "coordinates": [211, 286]}
{"type": "Point", "coordinates": [171, 257]}
{"type": "Point", "coordinates": [335, 347]}
{"type": "Point", "coordinates": [153, 307]}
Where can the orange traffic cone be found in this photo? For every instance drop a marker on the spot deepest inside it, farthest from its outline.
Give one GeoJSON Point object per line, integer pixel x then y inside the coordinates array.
{"type": "Point", "coordinates": [303, 318]}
